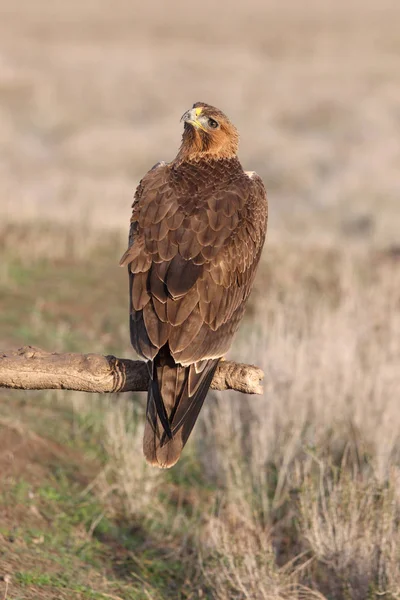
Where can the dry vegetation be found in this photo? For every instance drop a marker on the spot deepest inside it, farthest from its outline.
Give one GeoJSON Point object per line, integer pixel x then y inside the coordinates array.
{"type": "Point", "coordinates": [306, 478]}
{"type": "Point", "coordinates": [294, 495]}
{"type": "Point", "coordinates": [91, 94]}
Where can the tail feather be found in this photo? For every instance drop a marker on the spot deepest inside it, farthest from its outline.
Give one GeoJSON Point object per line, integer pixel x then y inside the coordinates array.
{"type": "Point", "coordinates": [176, 395]}
{"type": "Point", "coordinates": [160, 408]}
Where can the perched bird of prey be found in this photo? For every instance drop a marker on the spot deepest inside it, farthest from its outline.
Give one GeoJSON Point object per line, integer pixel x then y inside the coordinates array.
{"type": "Point", "coordinates": [197, 230]}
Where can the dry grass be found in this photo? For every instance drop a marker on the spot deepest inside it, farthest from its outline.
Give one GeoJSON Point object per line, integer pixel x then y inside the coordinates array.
{"type": "Point", "coordinates": [294, 495]}
{"type": "Point", "coordinates": [305, 480]}
{"type": "Point", "coordinates": [291, 495]}
{"type": "Point", "coordinates": [91, 95]}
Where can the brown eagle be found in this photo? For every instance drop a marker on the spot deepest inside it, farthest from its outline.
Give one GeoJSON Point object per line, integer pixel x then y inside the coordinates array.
{"type": "Point", "coordinates": [197, 231]}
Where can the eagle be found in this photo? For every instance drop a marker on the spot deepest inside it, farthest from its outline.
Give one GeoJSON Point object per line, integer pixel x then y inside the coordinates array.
{"type": "Point", "coordinates": [197, 230]}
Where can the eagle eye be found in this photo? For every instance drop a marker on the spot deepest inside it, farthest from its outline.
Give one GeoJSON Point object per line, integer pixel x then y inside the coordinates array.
{"type": "Point", "coordinates": [212, 123]}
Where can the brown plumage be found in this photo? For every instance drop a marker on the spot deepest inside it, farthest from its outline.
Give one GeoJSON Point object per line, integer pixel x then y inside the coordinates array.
{"type": "Point", "coordinates": [197, 230]}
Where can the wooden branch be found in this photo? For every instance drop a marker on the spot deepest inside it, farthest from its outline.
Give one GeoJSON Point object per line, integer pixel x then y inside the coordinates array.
{"type": "Point", "coordinates": [30, 368]}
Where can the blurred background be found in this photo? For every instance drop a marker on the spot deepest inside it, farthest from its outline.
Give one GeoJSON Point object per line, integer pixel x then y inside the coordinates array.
{"type": "Point", "coordinates": [92, 92]}
{"type": "Point", "coordinates": [292, 495]}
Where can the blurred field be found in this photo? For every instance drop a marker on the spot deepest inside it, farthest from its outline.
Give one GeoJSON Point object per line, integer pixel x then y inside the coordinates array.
{"type": "Point", "coordinates": [91, 94]}
{"type": "Point", "coordinates": [293, 495]}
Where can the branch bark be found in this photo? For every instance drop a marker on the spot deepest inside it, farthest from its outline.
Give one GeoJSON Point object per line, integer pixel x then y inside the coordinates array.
{"type": "Point", "coordinates": [30, 368]}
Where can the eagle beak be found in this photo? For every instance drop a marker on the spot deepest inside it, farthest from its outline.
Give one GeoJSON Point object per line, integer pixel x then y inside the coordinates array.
{"type": "Point", "coordinates": [191, 116]}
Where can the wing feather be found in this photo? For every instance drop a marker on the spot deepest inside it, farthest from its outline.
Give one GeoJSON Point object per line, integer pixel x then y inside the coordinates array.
{"type": "Point", "coordinates": [167, 248]}
{"type": "Point", "coordinates": [140, 294]}
{"type": "Point", "coordinates": [179, 309]}
{"type": "Point", "coordinates": [181, 337]}
{"type": "Point", "coordinates": [157, 283]}
{"type": "Point", "coordinates": [181, 276]}
{"type": "Point", "coordinates": [158, 331]}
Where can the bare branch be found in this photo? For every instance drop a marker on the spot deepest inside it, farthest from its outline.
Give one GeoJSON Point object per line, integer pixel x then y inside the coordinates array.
{"type": "Point", "coordinates": [30, 368]}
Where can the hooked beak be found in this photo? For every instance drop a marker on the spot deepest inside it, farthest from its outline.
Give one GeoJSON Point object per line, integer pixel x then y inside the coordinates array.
{"type": "Point", "coordinates": [191, 116]}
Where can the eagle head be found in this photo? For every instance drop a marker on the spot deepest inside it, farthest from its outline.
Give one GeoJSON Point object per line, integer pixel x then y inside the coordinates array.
{"type": "Point", "coordinates": [207, 133]}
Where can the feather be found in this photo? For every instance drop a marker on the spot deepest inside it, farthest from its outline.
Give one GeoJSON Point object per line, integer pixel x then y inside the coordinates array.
{"type": "Point", "coordinates": [181, 276]}
{"type": "Point", "coordinates": [157, 330]}
{"type": "Point", "coordinates": [172, 410]}
{"type": "Point", "coordinates": [199, 222]}
{"type": "Point", "coordinates": [161, 309]}
{"type": "Point", "coordinates": [217, 220]}
{"type": "Point", "coordinates": [207, 237]}
{"type": "Point", "coordinates": [141, 263]}
{"type": "Point", "coordinates": [181, 337]}
{"type": "Point", "coordinates": [167, 248]}
{"type": "Point", "coordinates": [209, 252]}
{"type": "Point", "coordinates": [139, 337]}
{"type": "Point", "coordinates": [179, 309]}
{"type": "Point", "coordinates": [148, 212]}
{"type": "Point", "coordinates": [158, 231]}
{"type": "Point", "coordinates": [157, 281]}
{"type": "Point", "coordinates": [140, 295]}
{"type": "Point", "coordinates": [164, 207]}
{"type": "Point", "coordinates": [190, 247]}
{"type": "Point", "coordinates": [175, 221]}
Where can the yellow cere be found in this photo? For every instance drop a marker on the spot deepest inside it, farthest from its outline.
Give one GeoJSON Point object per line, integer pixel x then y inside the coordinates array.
{"type": "Point", "coordinates": [198, 111]}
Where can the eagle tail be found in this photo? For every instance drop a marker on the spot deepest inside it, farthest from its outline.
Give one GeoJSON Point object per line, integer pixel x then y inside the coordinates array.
{"type": "Point", "coordinates": [175, 397]}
